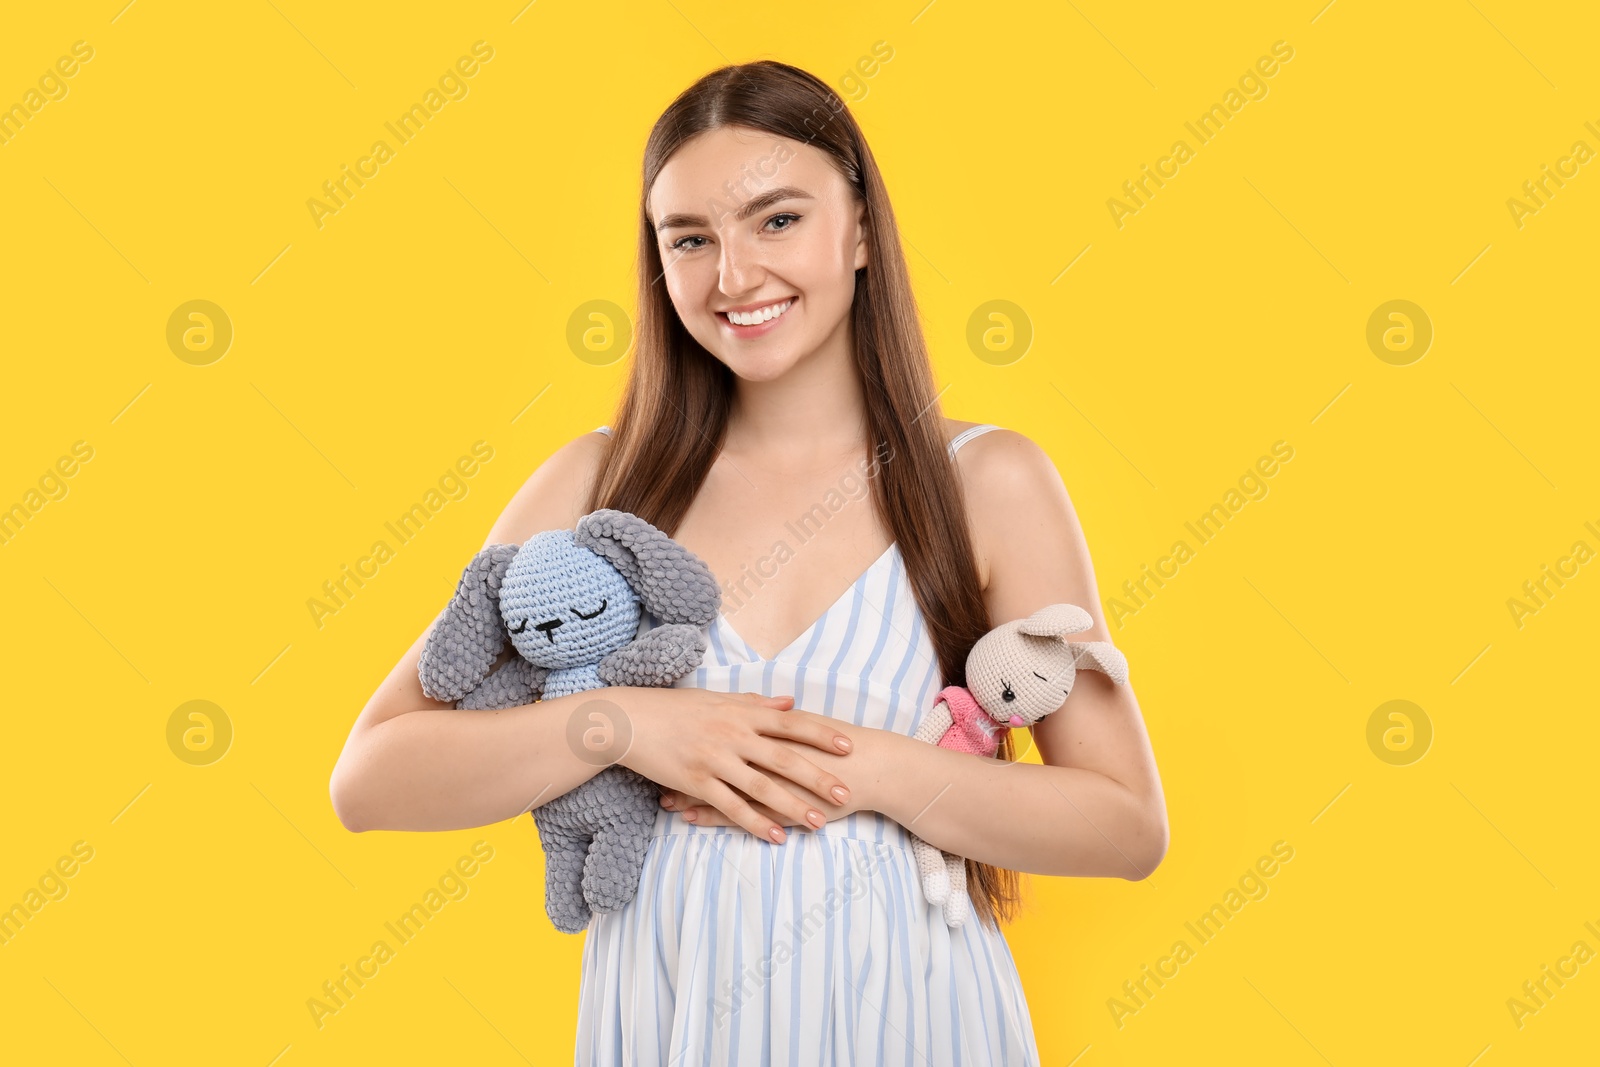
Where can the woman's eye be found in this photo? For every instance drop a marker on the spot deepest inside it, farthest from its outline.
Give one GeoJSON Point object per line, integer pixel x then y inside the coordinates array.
{"type": "Point", "coordinates": [592, 614]}
{"type": "Point", "coordinates": [681, 245]}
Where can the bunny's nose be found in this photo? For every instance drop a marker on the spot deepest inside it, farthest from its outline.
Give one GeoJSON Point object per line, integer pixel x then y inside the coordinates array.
{"type": "Point", "coordinates": [1016, 720]}
{"type": "Point", "coordinates": [549, 629]}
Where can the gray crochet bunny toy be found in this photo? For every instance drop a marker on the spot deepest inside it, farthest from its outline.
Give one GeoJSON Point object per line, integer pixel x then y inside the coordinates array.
{"type": "Point", "coordinates": [570, 602]}
{"type": "Point", "coordinates": [1017, 674]}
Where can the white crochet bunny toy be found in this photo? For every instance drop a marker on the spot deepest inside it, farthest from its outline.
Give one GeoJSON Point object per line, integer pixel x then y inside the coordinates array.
{"type": "Point", "coordinates": [1016, 675]}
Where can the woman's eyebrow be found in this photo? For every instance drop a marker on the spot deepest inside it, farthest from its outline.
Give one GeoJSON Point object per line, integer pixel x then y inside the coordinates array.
{"type": "Point", "coordinates": [759, 202]}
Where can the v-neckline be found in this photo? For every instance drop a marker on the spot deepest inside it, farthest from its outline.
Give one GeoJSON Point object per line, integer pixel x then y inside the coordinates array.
{"type": "Point", "coordinates": [756, 656]}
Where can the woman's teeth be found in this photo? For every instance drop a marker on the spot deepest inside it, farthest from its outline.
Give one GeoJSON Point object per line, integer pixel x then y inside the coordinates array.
{"type": "Point", "coordinates": [758, 316]}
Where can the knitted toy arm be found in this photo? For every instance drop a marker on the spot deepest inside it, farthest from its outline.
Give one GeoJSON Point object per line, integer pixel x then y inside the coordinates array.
{"type": "Point", "coordinates": [658, 658]}
{"type": "Point", "coordinates": [934, 724]}
{"type": "Point", "coordinates": [514, 684]}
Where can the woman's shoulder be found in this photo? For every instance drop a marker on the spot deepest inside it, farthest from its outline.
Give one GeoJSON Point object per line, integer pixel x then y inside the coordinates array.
{"type": "Point", "coordinates": [556, 495]}
{"type": "Point", "coordinates": [1007, 479]}
{"type": "Point", "coordinates": [996, 446]}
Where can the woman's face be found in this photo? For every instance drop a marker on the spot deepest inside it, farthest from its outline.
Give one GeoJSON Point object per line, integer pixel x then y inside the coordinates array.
{"type": "Point", "coordinates": [751, 222]}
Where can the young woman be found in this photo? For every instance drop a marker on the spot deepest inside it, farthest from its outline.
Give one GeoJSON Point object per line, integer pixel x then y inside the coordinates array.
{"type": "Point", "coordinates": [780, 420]}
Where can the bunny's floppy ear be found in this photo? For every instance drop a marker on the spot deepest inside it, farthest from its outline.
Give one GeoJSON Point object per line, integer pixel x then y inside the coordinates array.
{"type": "Point", "coordinates": [673, 583]}
{"type": "Point", "coordinates": [1101, 655]}
{"type": "Point", "coordinates": [1060, 619]}
{"type": "Point", "coordinates": [1055, 620]}
{"type": "Point", "coordinates": [469, 634]}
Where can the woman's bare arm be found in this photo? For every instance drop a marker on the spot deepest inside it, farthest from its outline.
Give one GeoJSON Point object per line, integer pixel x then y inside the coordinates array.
{"type": "Point", "coordinates": [1095, 807]}
{"type": "Point", "coordinates": [413, 763]}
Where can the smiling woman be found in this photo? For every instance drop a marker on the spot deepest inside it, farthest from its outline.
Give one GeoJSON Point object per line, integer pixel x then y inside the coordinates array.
{"type": "Point", "coordinates": [778, 344]}
{"type": "Point", "coordinates": [779, 915]}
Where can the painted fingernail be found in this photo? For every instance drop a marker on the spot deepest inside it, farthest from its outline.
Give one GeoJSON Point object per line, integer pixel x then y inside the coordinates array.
{"type": "Point", "coordinates": [776, 833]}
{"type": "Point", "coordinates": [843, 743]}
{"type": "Point", "coordinates": [815, 818]}
{"type": "Point", "coordinates": [841, 793]}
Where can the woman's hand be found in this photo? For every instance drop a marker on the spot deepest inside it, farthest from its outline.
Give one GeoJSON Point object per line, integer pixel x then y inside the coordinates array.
{"type": "Point", "coordinates": [698, 811]}
{"type": "Point", "coordinates": [722, 746]}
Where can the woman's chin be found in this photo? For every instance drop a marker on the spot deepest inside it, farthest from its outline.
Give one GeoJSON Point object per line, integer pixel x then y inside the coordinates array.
{"type": "Point", "coordinates": [762, 367]}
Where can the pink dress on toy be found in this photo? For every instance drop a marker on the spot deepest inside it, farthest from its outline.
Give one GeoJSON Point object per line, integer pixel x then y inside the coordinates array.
{"type": "Point", "coordinates": [971, 728]}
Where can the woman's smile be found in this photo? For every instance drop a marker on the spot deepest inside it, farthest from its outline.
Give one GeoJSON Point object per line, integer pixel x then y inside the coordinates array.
{"type": "Point", "coordinates": [755, 321]}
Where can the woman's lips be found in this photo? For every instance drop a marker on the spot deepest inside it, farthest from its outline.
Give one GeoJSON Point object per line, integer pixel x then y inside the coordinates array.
{"type": "Point", "coordinates": [760, 330]}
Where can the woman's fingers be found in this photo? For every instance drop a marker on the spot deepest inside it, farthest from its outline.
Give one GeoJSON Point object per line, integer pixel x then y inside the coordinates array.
{"type": "Point", "coordinates": [815, 730]}
{"type": "Point", "coordinates": [743, 812]}
{"type": "Point", "coordinates": [677, 800]}
{"type": "Point", "coordinates": [706, 815]}
{"type": "Point", "coordinates": [799, 770]}
{"type": "Point", "coordinates": [700, 813]}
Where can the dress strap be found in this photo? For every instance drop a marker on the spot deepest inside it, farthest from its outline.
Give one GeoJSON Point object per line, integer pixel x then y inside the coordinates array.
{"type": "Point", "coordinates": [968, 434]}
{"type": "Point", "coordinates": [602, 429]}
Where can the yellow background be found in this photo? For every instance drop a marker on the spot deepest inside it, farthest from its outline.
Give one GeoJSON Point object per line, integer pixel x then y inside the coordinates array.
{"type": "Point", "coordinates": [1229, 313]}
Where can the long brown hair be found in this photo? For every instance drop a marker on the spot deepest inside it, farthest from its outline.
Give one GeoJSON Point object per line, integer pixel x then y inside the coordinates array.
{"type": "Point", "coordinates": [678, 392]}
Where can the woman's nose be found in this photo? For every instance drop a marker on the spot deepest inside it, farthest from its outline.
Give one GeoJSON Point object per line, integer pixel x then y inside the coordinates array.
{"type": "Point", "coordinates": [740, 269]}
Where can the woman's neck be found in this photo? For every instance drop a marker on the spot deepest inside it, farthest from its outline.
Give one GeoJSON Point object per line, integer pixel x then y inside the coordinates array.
{"type": "Point", "coordinates": [814, 413]}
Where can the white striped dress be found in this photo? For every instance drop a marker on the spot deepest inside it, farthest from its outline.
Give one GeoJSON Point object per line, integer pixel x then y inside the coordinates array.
{"type": "Point", "coordinates": [822, 950]}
